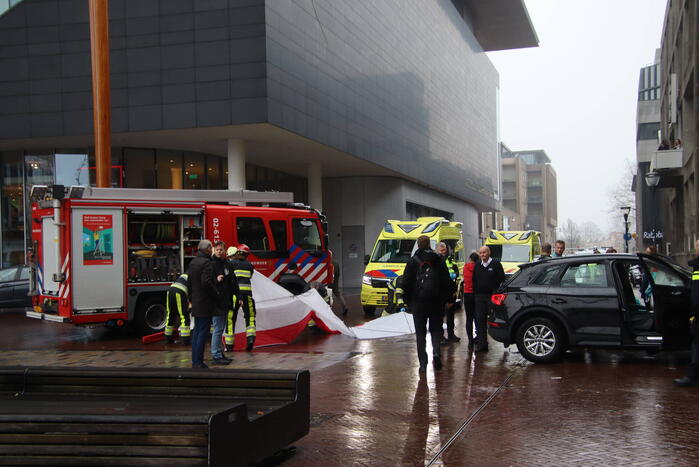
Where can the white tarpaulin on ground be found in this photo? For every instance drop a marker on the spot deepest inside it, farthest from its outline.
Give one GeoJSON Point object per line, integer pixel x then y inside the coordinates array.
{"type": "Point", "coordinates": [281, 317]}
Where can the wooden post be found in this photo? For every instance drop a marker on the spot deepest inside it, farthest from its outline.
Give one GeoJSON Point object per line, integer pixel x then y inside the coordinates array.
{"type": "Point", "coordinates": [101, 105]}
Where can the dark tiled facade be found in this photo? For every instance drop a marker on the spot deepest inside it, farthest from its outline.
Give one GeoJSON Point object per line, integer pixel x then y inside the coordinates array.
{"type": "Point", "coordinates": [402, 83]}
{"type": "Point", "coordinates": [174, 64]}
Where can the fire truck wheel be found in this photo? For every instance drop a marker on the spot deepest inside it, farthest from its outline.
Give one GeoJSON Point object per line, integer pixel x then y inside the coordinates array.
{"type": "Point", "coordinates": [150, 315]}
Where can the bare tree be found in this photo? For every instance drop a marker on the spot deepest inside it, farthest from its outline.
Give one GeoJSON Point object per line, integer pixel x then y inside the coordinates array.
{"type": "Point", "coordinates": [570, 233]}
{"type": "Point", "coordinates": [590, 234]}
{"type": "Point", "coordinates": [620, 195]}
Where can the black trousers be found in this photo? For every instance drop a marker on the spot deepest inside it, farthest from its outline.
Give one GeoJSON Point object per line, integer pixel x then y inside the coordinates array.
{"type": "Point", "coordinates": [449, 311]}
{"type": "Point", "coordinates": [470, 311]}
{"type": "Point", "coordinates": [424, 312]}
{"type": "Point", "coordinates": [482, 302]}
{"type": "Point", "coordinates": [693, 368]}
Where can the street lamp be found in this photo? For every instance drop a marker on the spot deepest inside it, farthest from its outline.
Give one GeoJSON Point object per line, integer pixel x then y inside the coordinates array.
{"type": "Point", "coordinates": [652, 179]}
{"type": "Point", "coordinates": [626, 210]}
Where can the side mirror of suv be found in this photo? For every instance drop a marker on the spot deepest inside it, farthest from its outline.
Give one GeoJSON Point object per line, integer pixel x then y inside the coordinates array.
{"type": "Point", "coordinates": [366, 260]}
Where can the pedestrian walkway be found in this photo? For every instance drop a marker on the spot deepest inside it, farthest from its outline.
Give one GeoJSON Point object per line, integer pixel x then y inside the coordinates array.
{"type": "Point", "coordinates": [369, 405]}
{"type": "Point", "coordinates": [168, 359]}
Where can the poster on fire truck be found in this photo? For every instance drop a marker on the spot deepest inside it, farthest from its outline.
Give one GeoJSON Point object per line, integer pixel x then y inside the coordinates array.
{"type": "Point", "coordinates": [98, 245]}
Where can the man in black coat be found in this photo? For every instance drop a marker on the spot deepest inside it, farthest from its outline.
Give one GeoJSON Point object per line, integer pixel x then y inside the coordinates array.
{"type": "Point", "coordinates": [426, 288]}
{"type": "Point", "coordinates": [488, 274]}
{"type": "Point", "coordinates": [204, 295]}
{"type": "Point", "coordinates": [227, 286]}
{"type": "Point", "coordinates": [692, 377]}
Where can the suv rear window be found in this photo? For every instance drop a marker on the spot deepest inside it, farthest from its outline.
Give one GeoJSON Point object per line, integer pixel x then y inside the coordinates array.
{"type": "Point", "coordinates": [547, 276]}
{"type": "Point", "coordinates": [585, 275]}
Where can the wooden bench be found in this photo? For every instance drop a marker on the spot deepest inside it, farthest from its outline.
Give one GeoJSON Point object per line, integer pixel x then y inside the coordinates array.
{"type": "Point", "coordinates": [147, 417]}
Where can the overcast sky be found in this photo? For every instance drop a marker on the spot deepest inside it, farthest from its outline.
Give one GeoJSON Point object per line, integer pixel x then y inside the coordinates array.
{"type": "Point", "coordinates": [575, 95]}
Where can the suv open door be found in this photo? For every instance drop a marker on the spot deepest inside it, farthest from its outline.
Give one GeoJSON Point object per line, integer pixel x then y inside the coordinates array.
{"type": "Point", "coordinates": [671, 301]}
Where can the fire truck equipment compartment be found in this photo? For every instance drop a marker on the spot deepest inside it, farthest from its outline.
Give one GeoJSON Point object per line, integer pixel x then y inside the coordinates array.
{"type": "Point", "coordinates": [146, 416]}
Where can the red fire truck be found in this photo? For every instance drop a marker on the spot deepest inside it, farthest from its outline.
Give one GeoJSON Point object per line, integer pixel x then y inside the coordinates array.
{"type": "Point", "coordinates": [107, 255]}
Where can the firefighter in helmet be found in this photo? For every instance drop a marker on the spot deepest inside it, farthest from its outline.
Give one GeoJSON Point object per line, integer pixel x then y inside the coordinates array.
{"type": "Point", "coordinates": [177, 306]}
{"type": "Point", "coordinates": [396, 304]}
{"type": "Point", "coordinates": [243, 270]}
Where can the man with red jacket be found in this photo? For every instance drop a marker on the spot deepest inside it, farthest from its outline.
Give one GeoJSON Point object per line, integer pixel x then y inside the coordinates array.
{"type": "Point", "coordinates": [468, 300]}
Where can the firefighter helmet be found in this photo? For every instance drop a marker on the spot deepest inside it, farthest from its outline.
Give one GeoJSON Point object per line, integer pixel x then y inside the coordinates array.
{"type": "Point", "coordinates": [243, 248]}
{"type": "Point", "coordinates": [231, 251]}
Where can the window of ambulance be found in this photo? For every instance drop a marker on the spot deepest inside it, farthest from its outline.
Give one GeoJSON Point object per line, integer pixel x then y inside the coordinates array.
{"type": "Point", "coordinates": [306, 235]}
{"type": "Point", "coordinates": [251, 231]}
{"type": "Point", "coordinates": [509, 253]}
{"type": "Point", "coordinates": [393, 251]}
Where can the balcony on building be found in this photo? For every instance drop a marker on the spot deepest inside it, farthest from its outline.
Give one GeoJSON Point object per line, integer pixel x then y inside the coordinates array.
{"type": "Point", "coordinates": [668, 159]}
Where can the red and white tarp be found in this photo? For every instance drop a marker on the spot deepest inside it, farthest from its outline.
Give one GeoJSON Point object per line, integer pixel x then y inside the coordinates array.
{"type": "Point", "coordinates": [281, 317]}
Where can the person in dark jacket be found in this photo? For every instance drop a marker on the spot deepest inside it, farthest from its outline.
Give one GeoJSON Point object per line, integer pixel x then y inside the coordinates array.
{"type": "Point", "coordinates": [204, 295]}
{"type": "Point", "coordinates": [426, 288]}
{"type": "Point", "coordinates": [451, 306]}
{"type": "Point", "coordinates": [227, 286]}
{"type": "Point", "coordinates": [292, 282]}
{"type": "Point", "coordinates": [244, 270]}
{"type": "Point", "coordinates": [488, 274]}
{"type": "Point", "coordinates": [692, 376]}
{"type": "Point", "coordinates": [545, 252]}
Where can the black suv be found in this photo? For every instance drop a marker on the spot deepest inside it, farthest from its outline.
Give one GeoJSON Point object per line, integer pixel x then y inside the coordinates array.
{"type": "Point", "coordinates": [604, 300]}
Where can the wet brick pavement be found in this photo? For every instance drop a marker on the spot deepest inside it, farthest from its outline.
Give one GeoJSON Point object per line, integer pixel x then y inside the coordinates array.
{"type": "Point", "coordinates": [371, 407]}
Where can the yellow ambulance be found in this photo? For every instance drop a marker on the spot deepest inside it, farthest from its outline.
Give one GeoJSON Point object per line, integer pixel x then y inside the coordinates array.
{"type": "Point", "coordinates": [514, 247]}
{"type": "Point", "coordinates": [395, 245]}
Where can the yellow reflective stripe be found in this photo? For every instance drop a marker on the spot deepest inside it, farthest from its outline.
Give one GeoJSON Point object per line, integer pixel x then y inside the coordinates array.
{"type": "Point", "coordinates": [695, 276]}
{"type": "Point", "coordinates": [243, 273]}
{"type": "Point", "coordinates": [180, 311]}
{"type": "Point", "coordinates": [399, 290]}
{"type": "Point", "coordinates": [245, 287]}
{"type": "Point", "coordinates": [182, 287]}
{"type": "Point", "coordinates": [250, 331]}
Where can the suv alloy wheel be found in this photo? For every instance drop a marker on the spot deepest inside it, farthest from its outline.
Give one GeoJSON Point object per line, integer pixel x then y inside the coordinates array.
{"type": "Point", "coordinates": [540, 340]}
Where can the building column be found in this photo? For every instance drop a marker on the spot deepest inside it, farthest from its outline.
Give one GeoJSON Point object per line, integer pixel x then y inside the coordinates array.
{"type": "Point", "coordinates": [236, 164]}
{"type": "Point", "coordinates": [315, 186]}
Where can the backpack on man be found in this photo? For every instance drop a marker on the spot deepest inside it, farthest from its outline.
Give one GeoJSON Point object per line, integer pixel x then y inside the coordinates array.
{"type": "Point", "coordinates": [427, 279]}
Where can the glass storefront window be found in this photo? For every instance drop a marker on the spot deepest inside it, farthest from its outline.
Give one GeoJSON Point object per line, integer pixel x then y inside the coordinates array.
{"type": "Point", "coordinates": [117, 176]}
{"type": "Point", "coordinates": [39, 169]}
{"type": "Point", "coordinates": [12, 207]}
{"type": "Point", "coordinates": [194, 171]}
{"type": "Point", "coordinates": [140, 168]}
{"type": "Point", "coordinates": [72, 169]}
{"type": "Point", "coordinates": [213, 172]}
{"type": "Point", "coordinates": [169, 168]}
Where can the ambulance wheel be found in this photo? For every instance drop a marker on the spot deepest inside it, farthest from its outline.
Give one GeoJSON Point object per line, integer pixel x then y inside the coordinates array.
{"type": "Point", "coordinates": [150, 315]}
{"type": "Point", "coordinates": [369, 310]}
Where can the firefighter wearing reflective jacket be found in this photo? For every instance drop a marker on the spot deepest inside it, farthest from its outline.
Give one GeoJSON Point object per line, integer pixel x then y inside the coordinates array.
{"type": "Point", "coordinates": [243, 270]}
{"type": "Point", "coordinates": [396, 304]}
{"type": "Point", "coordinates": [177, 306]}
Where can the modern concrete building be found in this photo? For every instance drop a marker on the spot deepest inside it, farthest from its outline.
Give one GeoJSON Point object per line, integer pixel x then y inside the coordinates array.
{"type": "Point", "coordinates": [530, 191]}
{"type": "Point", "coordinates": [367, 110]}
{"type": "Point", "coordinates": [679, 165]}
{"type": "Point", "coordinates": [648, 200]}
{"type": "Point", "coordinates": [514, 190]}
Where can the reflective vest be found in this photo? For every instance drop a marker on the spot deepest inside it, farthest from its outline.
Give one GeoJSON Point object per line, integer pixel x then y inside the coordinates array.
{"type": "Point", "coordinates": [180, 284]}
{"type": "Point", "coordinates": [243, 270]}
{"type": "Point", "coordinates": [395, 295]}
